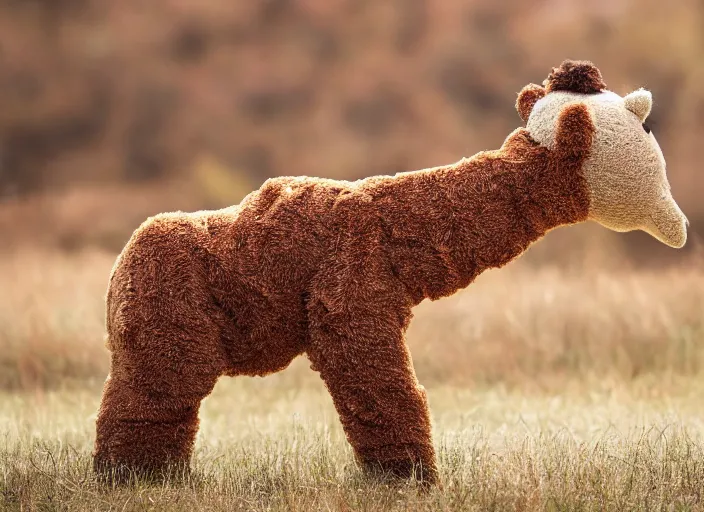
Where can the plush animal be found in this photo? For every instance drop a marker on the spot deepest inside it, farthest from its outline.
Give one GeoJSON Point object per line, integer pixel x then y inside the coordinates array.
{"type": "Point", "coordinates": [332, 269]}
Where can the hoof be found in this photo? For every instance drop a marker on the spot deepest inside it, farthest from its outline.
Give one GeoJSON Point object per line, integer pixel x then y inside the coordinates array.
{"type": "Point", "coordinates": [398, 471]}
{"type": "Point", "coordinates": [115, 473]}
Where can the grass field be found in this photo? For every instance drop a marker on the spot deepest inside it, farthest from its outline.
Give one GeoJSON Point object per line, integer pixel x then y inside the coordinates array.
{"type": "Point", "coordinates": [549, 390]}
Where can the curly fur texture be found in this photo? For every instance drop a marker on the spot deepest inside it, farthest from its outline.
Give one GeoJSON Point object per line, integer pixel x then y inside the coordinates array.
{"type": "Point", "coordinates": [578, 76]}
{"type": "Point", "coordinates": [330, 269]}
{"type": "Point", "coordinates": [327, 268]}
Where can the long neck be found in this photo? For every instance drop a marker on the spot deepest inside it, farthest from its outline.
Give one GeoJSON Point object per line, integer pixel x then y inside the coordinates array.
{"type": "Point", "coordinates": [446, 225]}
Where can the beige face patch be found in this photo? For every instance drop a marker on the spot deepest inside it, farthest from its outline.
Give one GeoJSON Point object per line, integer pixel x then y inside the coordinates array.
{"type": "Point", "coordinates": [625, 172]}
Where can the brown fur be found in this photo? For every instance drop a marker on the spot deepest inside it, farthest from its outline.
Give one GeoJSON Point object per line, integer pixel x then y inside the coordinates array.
{"type": "Point", "coordinates": [327, 268]}
{"type": "Point", "coordinates": [579, 76]}
{"type": "Point", "coordinates": [527, 99]}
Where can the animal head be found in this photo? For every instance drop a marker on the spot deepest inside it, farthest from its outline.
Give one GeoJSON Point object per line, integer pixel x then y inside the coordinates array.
{"type": "Point", "coordinates": [625, 172]}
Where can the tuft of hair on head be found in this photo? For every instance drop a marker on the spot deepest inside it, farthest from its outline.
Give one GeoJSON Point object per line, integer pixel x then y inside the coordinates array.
{"type": "Point", "coordinates": [580, 76]}
{"type": "Point", "coordinates": [527, 99]}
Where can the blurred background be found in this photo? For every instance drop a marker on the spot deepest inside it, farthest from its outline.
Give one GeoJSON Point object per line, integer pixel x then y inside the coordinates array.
{"type": "Point", "coordinates": [112, 111]}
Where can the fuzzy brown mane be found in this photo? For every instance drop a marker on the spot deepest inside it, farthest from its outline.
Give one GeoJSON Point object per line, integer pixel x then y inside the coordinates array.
{"type": "Point", "coordinates": [578, 76]}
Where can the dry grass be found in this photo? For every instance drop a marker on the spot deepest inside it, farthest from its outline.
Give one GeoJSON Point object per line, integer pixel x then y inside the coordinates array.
{"type": "Point", "coordinates": [550, 390]}
{"type": "Point", "coordinates": [52, 318]}
{"type": "Point", "coordinates": [271, 446]}
{"type": "Point", "coordinates": [517, 326]}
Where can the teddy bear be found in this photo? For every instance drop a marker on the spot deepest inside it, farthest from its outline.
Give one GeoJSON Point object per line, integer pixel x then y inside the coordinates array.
{"type": "Point", "coordinates": [332, 270]}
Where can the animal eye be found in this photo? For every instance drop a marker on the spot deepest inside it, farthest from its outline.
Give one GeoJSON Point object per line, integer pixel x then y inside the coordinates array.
{"type": "Point", "coordinates": [646, 128]}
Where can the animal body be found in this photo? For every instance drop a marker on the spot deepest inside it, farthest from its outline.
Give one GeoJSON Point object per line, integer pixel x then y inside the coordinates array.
{"type": "Point", "coordinates": [332, 269]}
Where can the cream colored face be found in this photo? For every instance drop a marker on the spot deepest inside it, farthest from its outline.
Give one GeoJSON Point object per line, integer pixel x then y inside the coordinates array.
{"type": "Point", "coordinates": [625, 172]}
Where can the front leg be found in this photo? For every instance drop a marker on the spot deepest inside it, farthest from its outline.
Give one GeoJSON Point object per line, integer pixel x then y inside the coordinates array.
{"type": "Point", "coordinates": [366, 366]}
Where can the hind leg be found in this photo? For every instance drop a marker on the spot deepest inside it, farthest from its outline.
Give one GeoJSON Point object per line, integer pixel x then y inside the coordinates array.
{"type": "Point", "coordinates": [164, 331]}
{"type": "Point", "coordinates": [142, 434]}
{"type": "Point", "coordinates": [148, 416]}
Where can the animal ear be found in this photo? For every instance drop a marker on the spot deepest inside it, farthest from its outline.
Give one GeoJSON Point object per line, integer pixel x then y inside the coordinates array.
{"type": "Point", "coordinates": [639, 102]}
{"type": "Point", "coordinates": [527, 98]}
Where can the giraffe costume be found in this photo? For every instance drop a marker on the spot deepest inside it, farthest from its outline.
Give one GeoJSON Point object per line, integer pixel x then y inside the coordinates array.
{"type": "Point", "coordinates": [332, 269]}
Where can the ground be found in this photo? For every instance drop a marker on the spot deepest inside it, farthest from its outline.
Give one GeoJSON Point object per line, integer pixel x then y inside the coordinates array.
{"type": "Point", "coordinates": [549, 390]}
